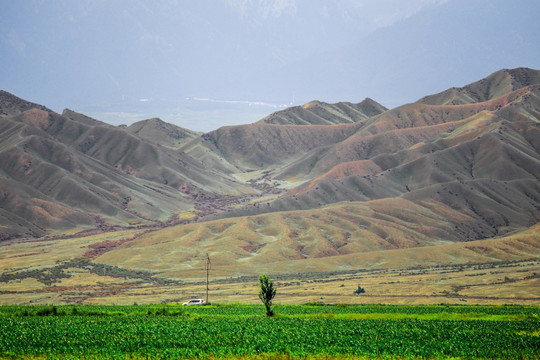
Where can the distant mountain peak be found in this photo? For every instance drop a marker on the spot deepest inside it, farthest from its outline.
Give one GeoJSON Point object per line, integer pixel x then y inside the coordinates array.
{"type": "Point", "coordinates": [311, 104]}
{"type": "Point", "coordinates": [371, 107]}
{"type": "Point", "coordinates": [81, 118]}
{"type": "Point", "coordinates": [12, 105]}
{"type": "Point", "coordinates": [161, 132]}
{"type": "Point", "coordinates": [320, 113]}
{"type": "Point", "coordinates": [499, 83]}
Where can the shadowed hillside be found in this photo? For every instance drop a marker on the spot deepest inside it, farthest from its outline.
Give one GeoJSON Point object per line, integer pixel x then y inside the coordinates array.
{"type": "Point", "coordinates": [261, 145]}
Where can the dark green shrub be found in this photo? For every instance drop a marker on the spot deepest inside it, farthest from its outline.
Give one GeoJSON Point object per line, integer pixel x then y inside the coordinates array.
{"type": "Point", "coordinates": [359, 291]}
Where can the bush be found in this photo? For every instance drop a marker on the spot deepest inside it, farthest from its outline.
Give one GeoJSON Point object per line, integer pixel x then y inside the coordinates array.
{"type": "Point", "coordinates": [47, 311]}
{"type": "Point", "coordinates": [359, 291]}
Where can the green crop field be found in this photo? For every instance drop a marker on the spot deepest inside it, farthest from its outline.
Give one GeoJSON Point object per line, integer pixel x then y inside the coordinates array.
{"type": "Point", "coordinates": [297, 331]}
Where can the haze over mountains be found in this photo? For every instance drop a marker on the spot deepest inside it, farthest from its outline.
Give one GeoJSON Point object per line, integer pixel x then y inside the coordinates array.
{"type": "Point", "coordinates": [206, 64]}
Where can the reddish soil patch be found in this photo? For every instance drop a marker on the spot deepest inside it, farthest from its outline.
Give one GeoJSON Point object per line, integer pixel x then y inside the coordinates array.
{"type": "Point", "coordinates": [101, 248]}
{"type": "Point", "coordinates": [253, 248]}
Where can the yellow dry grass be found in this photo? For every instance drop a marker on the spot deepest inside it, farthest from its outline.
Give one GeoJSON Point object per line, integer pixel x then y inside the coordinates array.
{"type": "Point", "coordinates": [46, 253]}
{"type": "Point", "coordinates": [186, 215]}
{"type": "Point", "coordinates": [506, 283]}
{"type": "Point", "coordinates": [307, 252]}
{"type": "Point", "coordinates": [339, 237]}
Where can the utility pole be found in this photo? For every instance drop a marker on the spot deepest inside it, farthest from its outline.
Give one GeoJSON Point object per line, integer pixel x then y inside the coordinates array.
{"type": "Point", "coordinates": [207, 271]}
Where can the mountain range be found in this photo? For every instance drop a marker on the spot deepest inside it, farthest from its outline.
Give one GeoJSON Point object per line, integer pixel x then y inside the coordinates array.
{"type": "Point", "coordinates": [336, 181]}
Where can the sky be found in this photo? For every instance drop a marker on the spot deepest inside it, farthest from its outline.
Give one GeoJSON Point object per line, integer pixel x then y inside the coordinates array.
{"type": "Point", "coordinates": [210, 63]}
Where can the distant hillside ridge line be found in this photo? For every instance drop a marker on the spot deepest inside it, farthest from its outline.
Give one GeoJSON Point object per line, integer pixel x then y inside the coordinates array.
{"type": "Point", "coordinates": [471, 153]}
{"type": "Point", "coordinates": [320, 113]}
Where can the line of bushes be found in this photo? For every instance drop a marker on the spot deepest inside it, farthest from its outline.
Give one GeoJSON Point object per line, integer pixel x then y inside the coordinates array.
{"type": "Point", "coordinates": [55, 274]}
{"type": "Point", "coordinates": [92, 311]}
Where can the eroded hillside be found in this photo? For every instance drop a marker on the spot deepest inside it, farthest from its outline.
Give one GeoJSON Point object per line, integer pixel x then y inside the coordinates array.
{"type": "Point", "coordinates": [66, 173]}
{"type": "Point", "coordinates": [479, 158]}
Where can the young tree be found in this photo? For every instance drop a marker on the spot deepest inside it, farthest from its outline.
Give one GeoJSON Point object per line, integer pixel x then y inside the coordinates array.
{"type": "Point", "coordinates": [267, 293]}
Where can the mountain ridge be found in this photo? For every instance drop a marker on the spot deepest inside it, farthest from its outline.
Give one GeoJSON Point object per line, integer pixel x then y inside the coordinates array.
{"type": "Point", "coordinates": [321, 113]}
{"type": "Point", "coordinates": [161, 132]}
{"type": "Point", "coordinates": [473, 149]}
{"type": "Point", "coordinates": [504, 81]}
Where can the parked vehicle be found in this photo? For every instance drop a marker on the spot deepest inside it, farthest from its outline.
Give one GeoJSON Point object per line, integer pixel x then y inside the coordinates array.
{"type": "Point", "coordinates": [194, 302]}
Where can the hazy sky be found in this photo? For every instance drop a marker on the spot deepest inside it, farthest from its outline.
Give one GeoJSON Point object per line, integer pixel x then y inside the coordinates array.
{"type": "Point", "coordinates": [207, 63]}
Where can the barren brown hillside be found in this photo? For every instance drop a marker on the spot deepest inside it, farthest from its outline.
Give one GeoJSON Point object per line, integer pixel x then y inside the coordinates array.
{"type": "Point", "coordinates": [99, 175]}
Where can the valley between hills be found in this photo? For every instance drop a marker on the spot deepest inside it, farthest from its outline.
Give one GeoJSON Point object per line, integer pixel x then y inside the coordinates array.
{"type": "Point", "coordinates": [436, 201]}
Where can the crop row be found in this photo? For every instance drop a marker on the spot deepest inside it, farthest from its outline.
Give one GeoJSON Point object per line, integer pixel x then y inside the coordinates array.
{"type": "Point", "coordinates": [239, 310]}
{"type": "Point", "coordinates": [201, 337]}
{"type": "Point", "coordinates": [532, 312]}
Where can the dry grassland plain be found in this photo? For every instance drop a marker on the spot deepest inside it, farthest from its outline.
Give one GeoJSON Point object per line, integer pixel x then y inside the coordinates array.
{"type": "Point", "coordinates": [79, 271]}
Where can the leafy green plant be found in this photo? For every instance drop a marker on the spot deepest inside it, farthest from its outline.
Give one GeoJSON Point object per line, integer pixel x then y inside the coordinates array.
{"type": "Point", "coordinates": [222, 332]}
{"type": "Point", "coordinates": [48, 311]}
{"type": "Point", "coordinates": [267, 293]}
